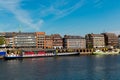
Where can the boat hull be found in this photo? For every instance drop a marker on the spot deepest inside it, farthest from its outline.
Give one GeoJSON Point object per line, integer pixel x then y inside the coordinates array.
{"type": "Point", "coordinates": [15, 57]}
{"type": "Point", "coordinates": [105, 53]}
{"type": "Point", "coordinates": [37, 56]}
{"type": "Point", "coordinates": [67, 54]}
{"type": "Point", "coordinates": [41, 55]}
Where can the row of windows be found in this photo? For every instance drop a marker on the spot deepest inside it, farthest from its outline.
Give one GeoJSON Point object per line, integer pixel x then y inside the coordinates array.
{"type": "Point", "coordinates": [57, 44]}
{"type": "Point", "coordinates": [24, 38]}
{"type": "Point", "coordinates": [25, 42]}
{"type": "Point", "coordinates": [76, 46]}
{"type": "Point", "coordinates": [25, 45]}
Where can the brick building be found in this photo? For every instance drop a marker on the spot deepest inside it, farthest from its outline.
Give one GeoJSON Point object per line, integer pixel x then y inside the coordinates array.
{"type": "Point", "coordinates": [94, 40]}
{"type": "Point", "coordinates": [119, 41]}
{"type": "Point", "coordinates": [48, 42]}
{"type": "Point", "coordinates": [57, 41]}
{"type": "Point", "coordinates": [111, 39]}
{"type": "Point", "coordinates": [74, 42]}
{"type": "Point", "coordinates": [40, 40]}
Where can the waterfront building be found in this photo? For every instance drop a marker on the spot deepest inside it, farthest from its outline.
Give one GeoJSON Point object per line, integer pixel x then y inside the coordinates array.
{"type": "Point", "coordinates": [74, 42]}
{"type": "Point", "coordinates": [25, 40]}
{"type": "Point", "coordinates": [94, 40]}
{"type": "Point", "coordinates": [40, 40]}
{"type": "Point", "coordinates": [111, 39]}
{"type": "Point", "coordinates": [119, 41]}
{"type": "Point", "coordinates": [2, 44]}
{"type": "Point", "coordinates": [48, 42]}
{"type": "Point", "coordinates": [57, 41]}
{"type": "Point", "coordinates": [9, 39]}
{"type": "Point", "coordinates": [2, 34]}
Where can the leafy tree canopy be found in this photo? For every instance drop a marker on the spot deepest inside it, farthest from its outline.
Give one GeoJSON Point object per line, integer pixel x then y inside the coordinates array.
{"type": "Point", "coordinates": [2, 40]}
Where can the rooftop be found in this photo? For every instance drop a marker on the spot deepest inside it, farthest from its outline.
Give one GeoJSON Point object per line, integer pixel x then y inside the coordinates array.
{"type": "Point", "coordinates": [73, 37]}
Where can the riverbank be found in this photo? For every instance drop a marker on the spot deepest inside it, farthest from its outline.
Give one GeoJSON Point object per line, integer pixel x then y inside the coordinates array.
{"type": "Point", "coordinates": [35, 52]}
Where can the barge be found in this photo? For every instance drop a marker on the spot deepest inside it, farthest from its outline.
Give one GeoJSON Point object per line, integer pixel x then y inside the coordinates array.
{"type": "Point", "coordinates": [36, 54]}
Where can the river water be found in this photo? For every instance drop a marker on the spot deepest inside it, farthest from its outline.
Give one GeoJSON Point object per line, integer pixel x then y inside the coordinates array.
{"type": "Point", "coordinates": [62, 68]}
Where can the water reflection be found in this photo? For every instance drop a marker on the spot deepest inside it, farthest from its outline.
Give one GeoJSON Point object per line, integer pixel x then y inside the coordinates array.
{"type": "Point", "coordinates": [62, 68]}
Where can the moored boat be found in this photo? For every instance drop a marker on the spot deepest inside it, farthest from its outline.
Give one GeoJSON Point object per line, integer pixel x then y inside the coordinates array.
{"type": "Point", "coordinates": [12, 56]}
{"type": "Point", "coordinates": [31, 54]}
{"type": "Point", "coordinates": [2, 54]}
{"type": "Point", "coordinates": [112, 52]}
{"type": "Point", "coordinates": [68, 54]}
{"type": "Point", "coordinates": [28, 54]}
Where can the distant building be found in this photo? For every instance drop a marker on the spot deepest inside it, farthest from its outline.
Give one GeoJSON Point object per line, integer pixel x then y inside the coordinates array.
{"type": "Point", "coordinates": [74, 42]}
{"type": "Point", "coordinates": [25, 40]}
{"type": "Point", "coordinates": [48, 42]}
{"type": "Point", "coordinates": [94, 40]}
{"type": "Point", "coordinates": [111, 39]}
{"type": "Point", "coordinates": [57, 41]}
{"type": "Point", "coordinates": [2, 34]}
{"type": "Point", "coordinates": [8, 38]}
{"type": "Point", "coordinates": [119, 41]}
{"type": "Point", "coordinates": [40, 40]}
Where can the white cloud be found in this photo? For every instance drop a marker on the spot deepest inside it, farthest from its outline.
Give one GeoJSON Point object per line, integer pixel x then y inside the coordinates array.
{"type": "Point", "coordinates": [98, 3]}
{"type": "Point", "coordinates": [71, 9]}
{"type": "Point", "coordinates": [21, 15]}
{"type": "Point", "coordinates": [55, 8]}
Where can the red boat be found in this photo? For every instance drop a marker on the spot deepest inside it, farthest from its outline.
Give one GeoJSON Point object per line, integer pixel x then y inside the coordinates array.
{"type": "Point", "coordinates": [41, 53]}
{"type": "Point", "coordinates": [30, 54]}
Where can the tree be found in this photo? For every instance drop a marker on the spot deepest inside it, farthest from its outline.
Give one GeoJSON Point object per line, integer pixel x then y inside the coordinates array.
{"type": "Point", "coordinates": [2, 40]}
{"type": "Point", "coordinates": [90, 45]}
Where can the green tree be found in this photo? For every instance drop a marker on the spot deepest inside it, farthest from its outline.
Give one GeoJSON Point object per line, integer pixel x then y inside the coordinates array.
{"type": "Point", "coordinates": [90, 45]}
{"type": "Point", "coordinates": [2, 40]}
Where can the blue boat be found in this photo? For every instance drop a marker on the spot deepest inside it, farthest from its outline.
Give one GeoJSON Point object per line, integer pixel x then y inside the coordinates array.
{"type": "Point", "coordinates": [2, 54]}
{"type": "Point", "coordinates": [12, 56]}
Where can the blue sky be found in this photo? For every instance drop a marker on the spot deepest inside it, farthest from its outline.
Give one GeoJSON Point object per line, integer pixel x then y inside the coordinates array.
{"type": "Point", "coordinates": [77, 17]}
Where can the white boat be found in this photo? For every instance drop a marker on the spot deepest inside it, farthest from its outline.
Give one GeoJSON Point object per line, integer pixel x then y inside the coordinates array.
{"type": "Point", "coordinates": [112, 52]}
{"type": "Point", "coordinates": [67, 54]}
{"type": "Point", "coordinates": [30, 54]}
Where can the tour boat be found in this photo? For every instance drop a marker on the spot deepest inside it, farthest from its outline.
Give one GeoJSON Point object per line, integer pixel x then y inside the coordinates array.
{"type": "Point", "coordinates": [28, 54]}
{"type": "Point", "coordinates": [31, 54]}
{"type": "Point", "coordinates": [112, 52]}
